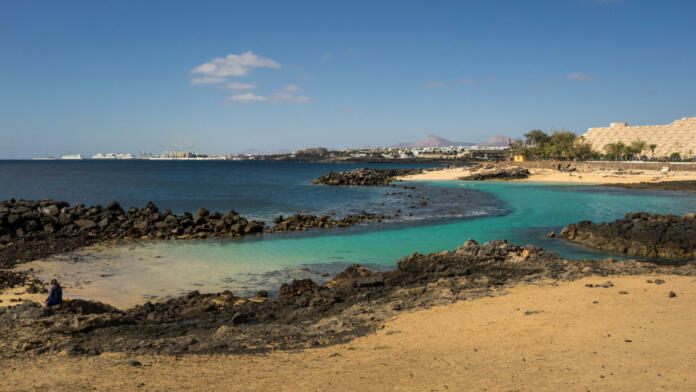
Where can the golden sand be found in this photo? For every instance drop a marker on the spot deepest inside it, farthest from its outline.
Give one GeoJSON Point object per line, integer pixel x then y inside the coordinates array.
{"type": "Point", "coordinates": [554, 176]}
{"type": "Point", "coordinates": [536, 338]}
{"type": "Point", "coordinates": [19, 293]}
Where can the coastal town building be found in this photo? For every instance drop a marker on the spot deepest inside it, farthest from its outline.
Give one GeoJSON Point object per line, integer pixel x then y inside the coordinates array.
{"type": "Point", "coordinates": [677, 137]}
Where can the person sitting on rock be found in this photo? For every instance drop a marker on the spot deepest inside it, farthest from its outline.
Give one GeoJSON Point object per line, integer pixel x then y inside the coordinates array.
{"type": "Point", "coordinates": [55, 296]}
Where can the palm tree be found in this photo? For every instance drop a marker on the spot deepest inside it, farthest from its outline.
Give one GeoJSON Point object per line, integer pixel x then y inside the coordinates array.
{"type": "Point", "coordinates": [637, 146]}
{"type": "Point", "coordinates": [652, 148]}
{"type": "Point", "coordinates": [536, 137]}
{"type": "Point", "coordinates": [621, 149]}
{"type": "Point", "coordinates": [614, 150]}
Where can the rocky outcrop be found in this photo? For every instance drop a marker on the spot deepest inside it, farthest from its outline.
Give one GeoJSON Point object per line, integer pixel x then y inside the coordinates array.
{"type": "Point", "coordinates": [30, 229]}
{"type": "Point", "coordinates": [297, 288]}
{"type": "Point", "coordinates": [364, 177]}
{"type": "Point", "coordinates": [639, 234]}
{"type": "Point", "coordinates": [304, 314]}
{"type": "Point", "coordinates": [511, 173]}
{"type": "Point", "coordinates": [305, 222]}
{"type": "Point", "coordinates": [9, 279]}
{"type": "Point", "coordinates": [662, 185]}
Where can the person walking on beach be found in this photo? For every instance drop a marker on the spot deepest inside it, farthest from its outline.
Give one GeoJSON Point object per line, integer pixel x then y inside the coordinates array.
{"type": "Point", "coordinates": [55, 296]}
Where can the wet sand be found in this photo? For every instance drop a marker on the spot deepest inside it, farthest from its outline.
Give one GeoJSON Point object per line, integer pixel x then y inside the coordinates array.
{"type": "Point", "coordinates": [536, 337]}
{"type": "Point", "coordinates": [555, 176]}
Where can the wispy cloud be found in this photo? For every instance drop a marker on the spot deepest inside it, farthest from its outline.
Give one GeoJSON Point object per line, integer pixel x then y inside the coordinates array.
{"type": "Point", "coordinates": [240, 86]}
{"type": "Point", "coordinates": [248, 97]}
{"type": "Point", "coordinates": [284, 95]}
{"type": "Point", "coordinates": [217, 69]}
{"type": "Point", "coordinates": [291, 88]}
{"type": "Point", "coordinates": [579, 76]}
{"type": "Point", "coordinates": [432, 84]}
{"type": "Point", "coordinates": [207, 80]}
{"type": "Point", "coordinates": [467, 81]}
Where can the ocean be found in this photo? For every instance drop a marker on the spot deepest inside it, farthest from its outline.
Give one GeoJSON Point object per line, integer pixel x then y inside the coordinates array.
{"type": "Point", "coordinates": [522, 213]}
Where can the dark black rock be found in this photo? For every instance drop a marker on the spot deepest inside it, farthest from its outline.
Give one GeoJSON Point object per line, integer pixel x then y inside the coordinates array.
{"type": "Point", "coordinates": [297, 288]}
{"type": "Point", "coordinates": [357, 301]}
{"type": "Point", "coordinates": [511, 173]}
{"type": "Point", "coordinates": [639, 234]}
{"type": "Point", "coordinates": [35, 229]}
{"type": "Point", "coordinates": [364, 177]}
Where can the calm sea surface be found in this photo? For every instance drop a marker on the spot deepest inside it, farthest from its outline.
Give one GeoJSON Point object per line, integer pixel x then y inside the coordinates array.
{"type": "Point", "coordinates": [254, 188]}
{"type": "Point", "coordinates": [522, 213]}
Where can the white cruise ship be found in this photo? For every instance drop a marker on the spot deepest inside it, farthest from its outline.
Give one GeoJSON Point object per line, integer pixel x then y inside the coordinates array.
{"type": "Point", "coordinates": [72, 157]}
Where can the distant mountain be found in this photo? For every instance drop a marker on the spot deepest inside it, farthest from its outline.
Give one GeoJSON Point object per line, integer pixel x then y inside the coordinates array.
{"type": "Point", "coordinates": [496, 141]}
{"type": "Point", "coordinates": [432, 141]}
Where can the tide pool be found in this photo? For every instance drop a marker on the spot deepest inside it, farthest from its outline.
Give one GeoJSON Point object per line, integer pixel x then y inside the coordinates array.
{"type": "Point", "coordinates": [529, 212]}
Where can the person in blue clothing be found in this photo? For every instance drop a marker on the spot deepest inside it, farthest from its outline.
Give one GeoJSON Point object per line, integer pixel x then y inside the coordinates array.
{"type": "Point", "coordinates": [55, 296]}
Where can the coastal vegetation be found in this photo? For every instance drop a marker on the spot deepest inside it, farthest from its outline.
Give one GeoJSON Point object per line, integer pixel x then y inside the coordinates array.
{"type": "Point", "coordinates": [621, 151]}
{"type": "Point", "coordinates": [560, 145]}
{"type": "Point", "coordinates": [564, 145]}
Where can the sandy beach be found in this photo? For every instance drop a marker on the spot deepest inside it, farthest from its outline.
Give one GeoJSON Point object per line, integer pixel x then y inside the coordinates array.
{"type": "Point", "coordinates": [13, 296]}
{"type": "Point", "coordinates": [555, 176]}
{"type": "Point", "coordinates": [632, 336]}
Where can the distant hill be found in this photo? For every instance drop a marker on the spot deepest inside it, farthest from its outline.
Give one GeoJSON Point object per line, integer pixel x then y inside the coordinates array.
{"type": "Point", "coordinates": [496, 141]}
{"type": "Point", "coordinates": [432, 141]}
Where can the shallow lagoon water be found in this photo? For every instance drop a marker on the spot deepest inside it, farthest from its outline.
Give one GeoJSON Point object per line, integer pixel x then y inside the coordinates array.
{"type": "Point", "coordinates": [527, 213]}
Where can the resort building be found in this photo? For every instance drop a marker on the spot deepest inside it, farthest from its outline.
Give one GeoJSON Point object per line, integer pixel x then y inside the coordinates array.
{"type": "Point", "coordinates": [679, 136]}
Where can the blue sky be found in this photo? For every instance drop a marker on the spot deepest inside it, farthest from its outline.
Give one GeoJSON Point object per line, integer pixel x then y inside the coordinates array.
{"type": "Point", "coordinates": [107, 76]}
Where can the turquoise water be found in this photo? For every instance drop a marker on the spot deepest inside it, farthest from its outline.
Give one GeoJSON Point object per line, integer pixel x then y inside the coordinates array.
{"type": "Point", "coordinates": [533, 211]}
{"type": "Point", "coordinates": [161, 269]}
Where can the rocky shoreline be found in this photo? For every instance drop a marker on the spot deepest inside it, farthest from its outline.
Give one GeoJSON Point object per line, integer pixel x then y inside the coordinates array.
{"type": "Point", "coordinates": [662, 185]}
{"type": "Point", "coordinates": [30, 229]}
{"type": "Point", "coordinates": [306, 222]}
{"type": "Point", "coordinates": [304, 314]}
{"type": "Point", "coordinates": [639, 234]}
{"type": "Point", "coordinates": [364, 177]}
{"type": "Point", "coordinates": [507, 173]}
{"type": "Point", "coordinates": [33, 229]}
